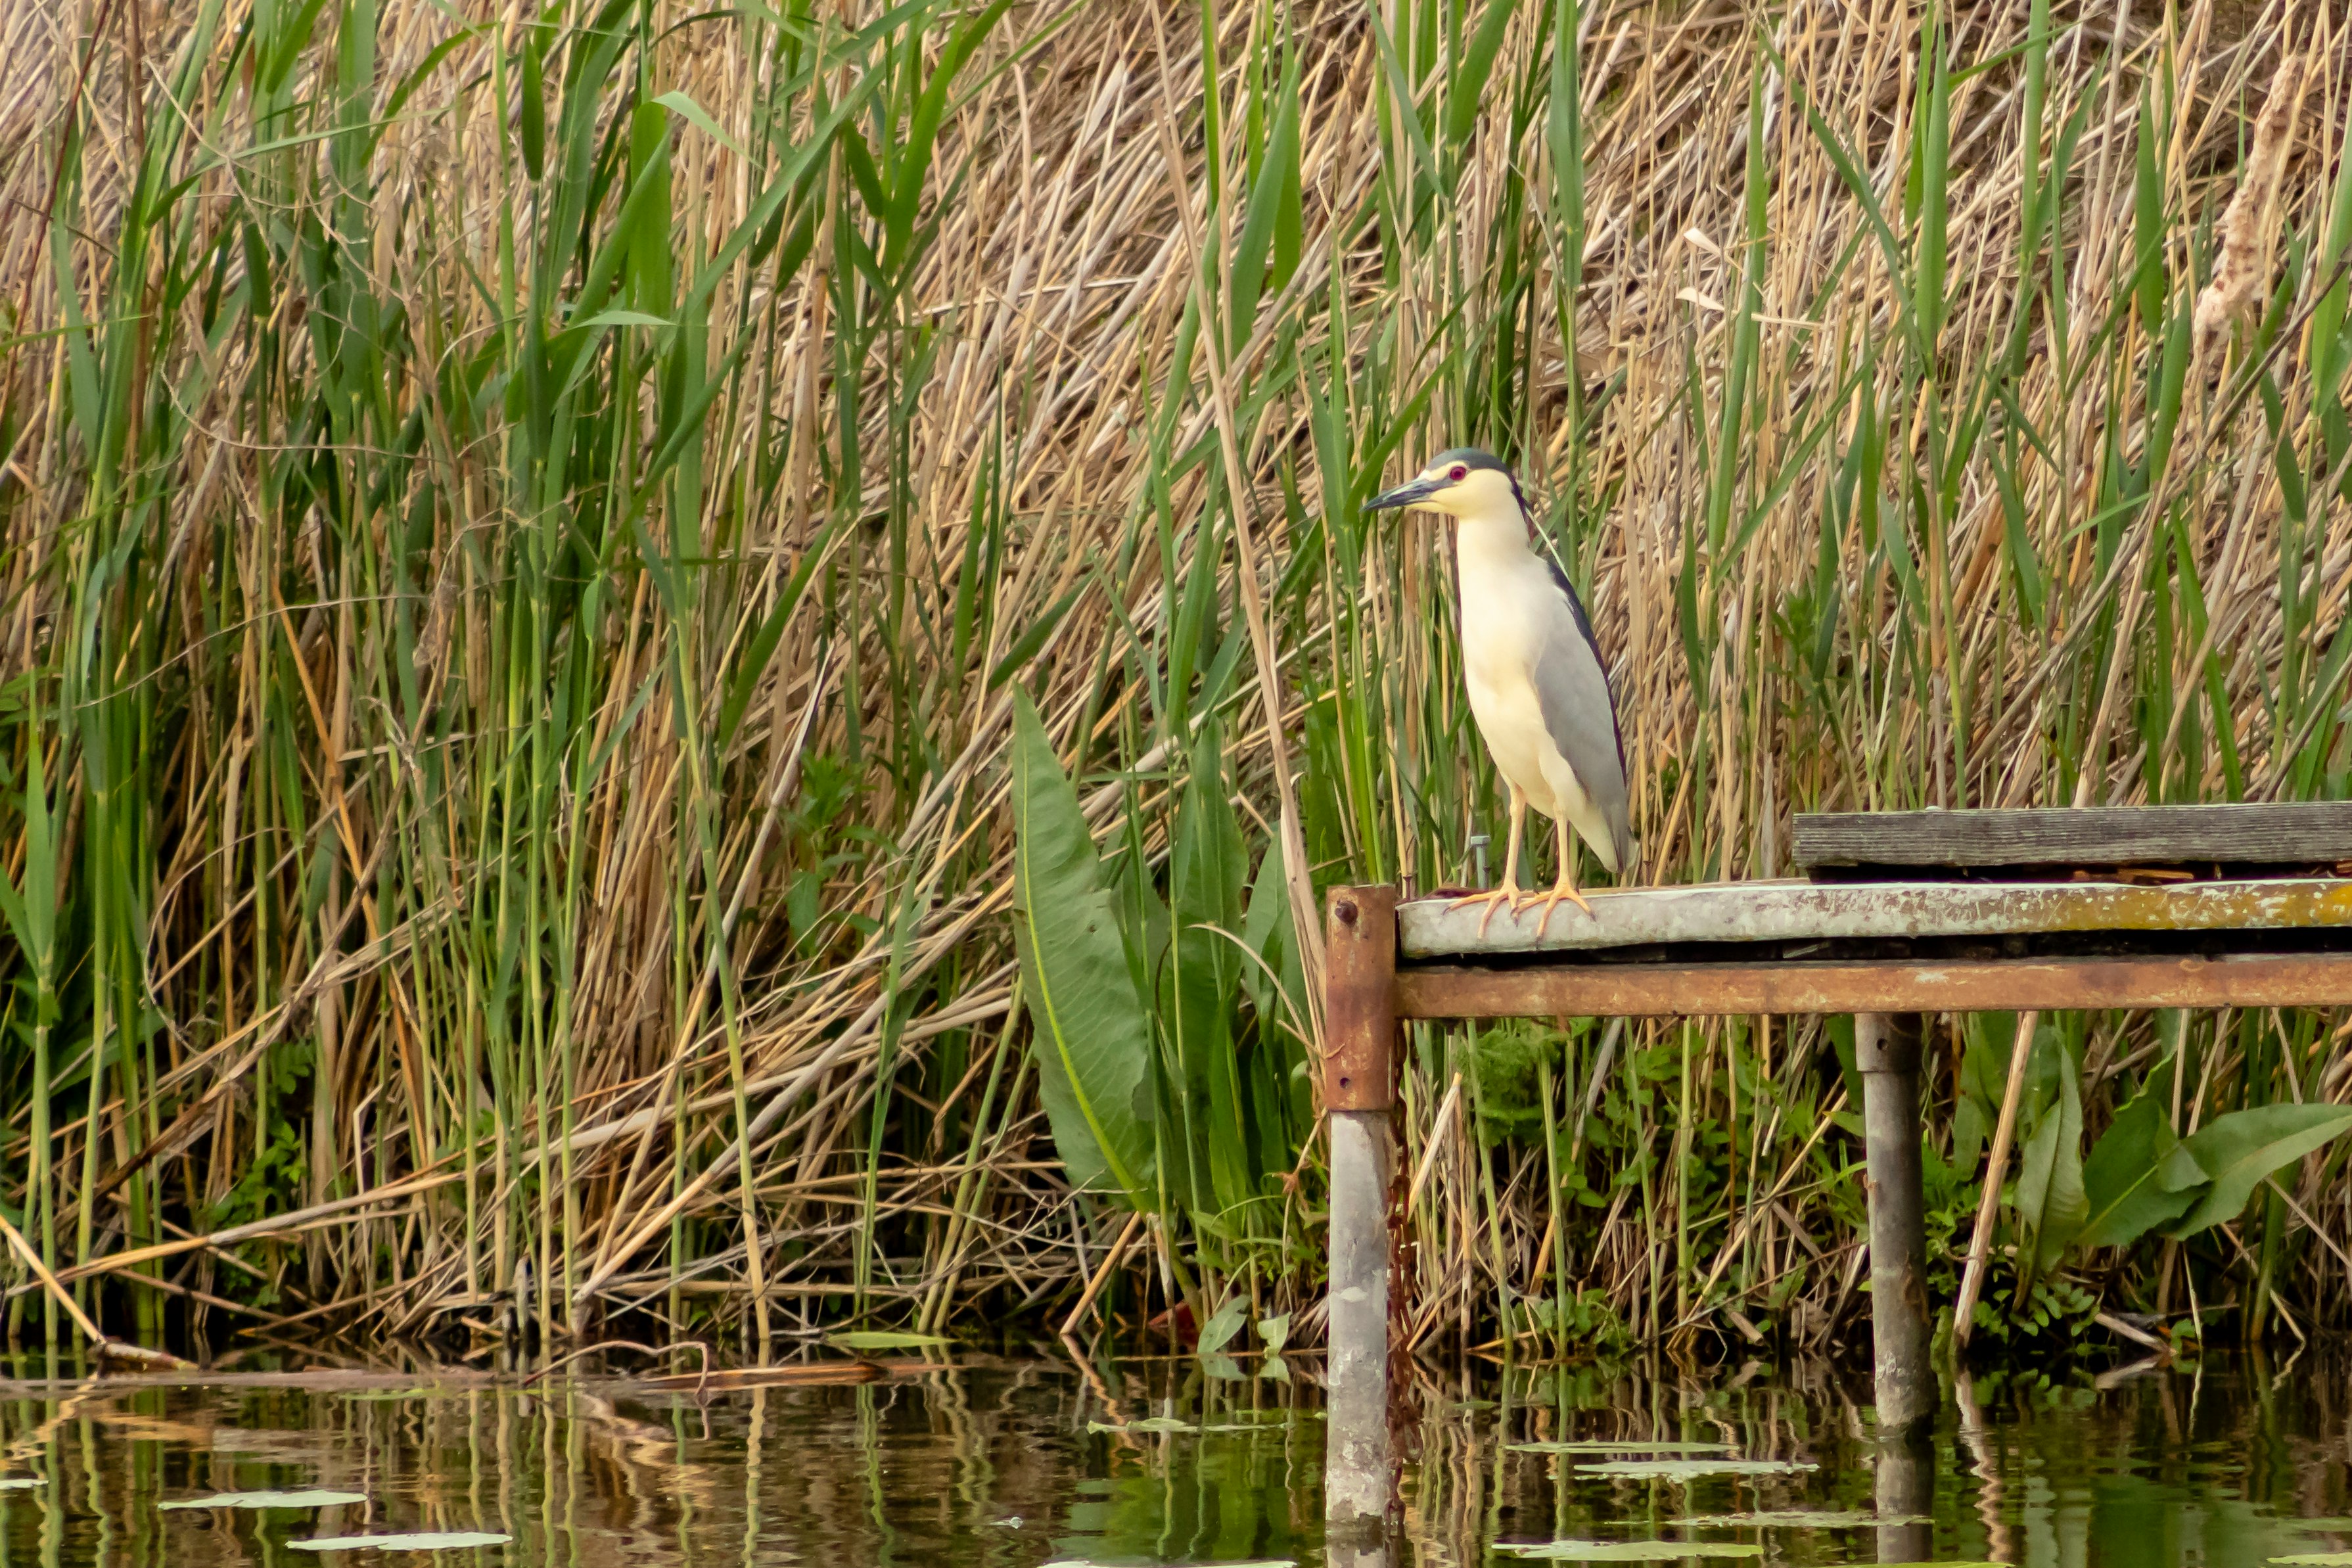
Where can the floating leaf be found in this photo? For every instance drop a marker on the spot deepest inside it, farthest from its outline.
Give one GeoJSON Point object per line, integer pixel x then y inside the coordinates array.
{"type": "Point", "coordinates": [881, 1339]}
{"type": "Point", "coordinates": [1601, 1446]}
{"type": "Point", "coordinates": [1149, 1423]}
{"type": "Point", "coordinates": [264, 1500]}
{"type": "Point", "coordinates": [26, 1483]}
{"type": "Point", "coordinates": [1799, 1519]}
{"type": "Point", "coordinates": [2318, 1559]}
{"type": "Point", "coordinates": [1691, 1470]}
{"type": "Point", "coordinates": [1628, 1551]}
{"type": "Point", "coordinates": [421, 1541]}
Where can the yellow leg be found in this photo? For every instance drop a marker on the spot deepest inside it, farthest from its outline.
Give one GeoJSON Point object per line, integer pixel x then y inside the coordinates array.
{"type": "Point", "coordinates": [1564, 885]}
{"type": "Point", "coordinates": [1508, 893]}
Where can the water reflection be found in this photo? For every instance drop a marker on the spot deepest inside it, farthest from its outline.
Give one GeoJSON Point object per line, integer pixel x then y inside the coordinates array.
{"type": "Point", "coordinates": [1015, 1462]}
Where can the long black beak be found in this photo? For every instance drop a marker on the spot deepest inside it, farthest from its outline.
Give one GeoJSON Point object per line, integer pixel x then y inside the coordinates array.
{"type": "Point", "coordinates": [1404, 495]}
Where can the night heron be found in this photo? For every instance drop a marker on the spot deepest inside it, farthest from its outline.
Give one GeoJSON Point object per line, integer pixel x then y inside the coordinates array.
{"type": "Point", "coordinates": [1538, 686]}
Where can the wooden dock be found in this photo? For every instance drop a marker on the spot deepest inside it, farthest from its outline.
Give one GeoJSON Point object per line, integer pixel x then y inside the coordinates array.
{"type": "Point", "coordinates": [1901, 914]}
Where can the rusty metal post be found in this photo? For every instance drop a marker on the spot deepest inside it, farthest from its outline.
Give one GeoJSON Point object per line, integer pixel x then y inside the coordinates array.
{"type": "Point", "coordinates": [1359, 1092]}
{"type": "Point", "coordinates": [1886, 1052]}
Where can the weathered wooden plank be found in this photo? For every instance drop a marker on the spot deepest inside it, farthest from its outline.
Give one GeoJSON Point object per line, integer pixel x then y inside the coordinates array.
{"type": "Point", "coordinates": [1876, 985]}
{"type": "Point", "coordinates": [1819, 911]}
{"type": "Point", "coordinates": [2292, 833]}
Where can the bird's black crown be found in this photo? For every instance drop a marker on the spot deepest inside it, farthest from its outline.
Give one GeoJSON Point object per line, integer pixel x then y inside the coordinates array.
{"type": "Point", "coordinates": [1471, 458]}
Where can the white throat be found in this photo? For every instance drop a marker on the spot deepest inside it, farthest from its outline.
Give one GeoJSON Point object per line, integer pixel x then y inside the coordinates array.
{"type": "Point", "coordinates": [1493, 537]}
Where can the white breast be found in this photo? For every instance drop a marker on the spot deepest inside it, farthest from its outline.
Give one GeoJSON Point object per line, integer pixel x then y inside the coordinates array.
{"type": "Point", "coordinates": [1507, 608]}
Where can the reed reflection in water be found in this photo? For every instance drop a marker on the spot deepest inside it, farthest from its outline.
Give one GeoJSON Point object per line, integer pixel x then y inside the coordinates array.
{"type": "Point", "coordinates": [1013, 1462]}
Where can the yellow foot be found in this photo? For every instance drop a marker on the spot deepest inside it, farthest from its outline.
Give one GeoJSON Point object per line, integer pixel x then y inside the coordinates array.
{"type": "Point", "coordinates": [1495, 899]}
{"type": "Point", "coordinates": [1550, 901]}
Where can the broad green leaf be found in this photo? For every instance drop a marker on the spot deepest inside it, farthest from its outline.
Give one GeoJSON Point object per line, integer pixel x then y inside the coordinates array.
{"type": "Point", "coordinates": [2139, 1176]}
{"type": "Point", "coordinates": [1274, 1332]}
{"type": "Point", "coordinates": [1224, 1324]}
{"type": "Point", "coordinates": [2051, 1207]}
{"type": "Point", "coordinates": [2238, 1150]}
{"type": "Point", "coordinates": [1092, 1036]}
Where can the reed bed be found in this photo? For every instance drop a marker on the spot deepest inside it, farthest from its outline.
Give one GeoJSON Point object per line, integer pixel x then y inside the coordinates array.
{"type": "Point", "coordinates": [530, 535]}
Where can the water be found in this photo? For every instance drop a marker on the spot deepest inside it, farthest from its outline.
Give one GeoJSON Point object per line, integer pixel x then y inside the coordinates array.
{"type": "Point", "coordinates": [1018, 1463]}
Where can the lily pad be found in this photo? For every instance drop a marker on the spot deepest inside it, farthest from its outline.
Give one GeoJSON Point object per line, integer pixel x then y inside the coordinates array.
{"type": "Point", "coordinates": [420, 1540]}
{"type": "Point", "coordinates": [1628, 1551]}
{"type": "Point", "coordinates": [1601, 1446]}
{"type": "Point", "coordinates": [1801, 1519]}
{"type": "Point", "coordinates": [1159, 1423]}
{"type": "Point", "coordinates": [263, 1499]}
{"type": "Point", "coordinates": [1692, 1469]}
{"type": "Point", "coordinates": [1148, 1423]}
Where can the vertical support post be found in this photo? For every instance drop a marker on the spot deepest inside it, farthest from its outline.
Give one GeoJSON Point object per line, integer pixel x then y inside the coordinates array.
{"type": "Point", "coordinates": [1359, 1093]}
{"type": "Point", "coordinates": [1886, 1052]}
{"type": "Point", "coordinates": [1905, 1488]}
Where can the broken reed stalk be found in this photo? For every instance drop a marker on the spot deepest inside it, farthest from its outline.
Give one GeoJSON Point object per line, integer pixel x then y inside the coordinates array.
{"type": "Point", "coordinates": [102, 1347]}
{"type": "Point", "coordinates": [2021, 1052]}
{"type": "Point", "coordinates": [518, 539]}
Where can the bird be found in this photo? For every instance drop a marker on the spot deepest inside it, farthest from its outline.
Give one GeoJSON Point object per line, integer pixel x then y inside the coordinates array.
{"type": "Point", "coordinates": [1538, 686]}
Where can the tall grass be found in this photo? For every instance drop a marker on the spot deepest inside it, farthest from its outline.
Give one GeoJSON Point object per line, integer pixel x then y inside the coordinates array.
{"type": "Point", "coordinates": [523, 531]}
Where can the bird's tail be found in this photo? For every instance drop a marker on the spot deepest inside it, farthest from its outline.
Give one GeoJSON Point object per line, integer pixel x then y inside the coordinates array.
{"type": "Point", "coordinates": [1629, 851]}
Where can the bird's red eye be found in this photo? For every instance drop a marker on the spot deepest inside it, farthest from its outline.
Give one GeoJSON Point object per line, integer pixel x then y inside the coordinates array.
{"type": "Point", "coordinates": [1458, 473]}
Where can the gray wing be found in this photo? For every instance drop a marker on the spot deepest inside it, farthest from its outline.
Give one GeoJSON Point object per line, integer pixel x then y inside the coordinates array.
{"type": "Point", "coordinates": [1572, 686]}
